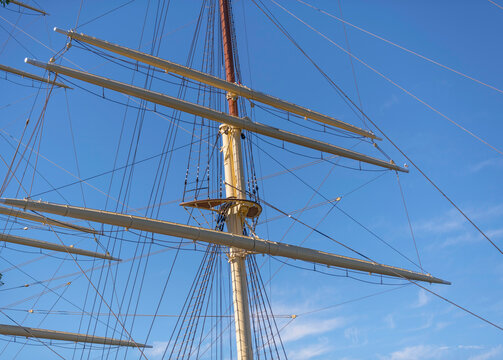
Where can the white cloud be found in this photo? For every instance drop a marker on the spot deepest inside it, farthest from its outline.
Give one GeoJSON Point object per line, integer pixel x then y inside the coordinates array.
{"type": "Point", "coordinates": [495, 233]}
{"type": "Point", "coordinates": [422, 299]}
{"type": "Point", "coordinates": [428, 323]}
{"type": "Point", "coordinates": [454, 229]}
{"type": "Point", "coordinates": [470, 347]}
{"type": "Point", "coordinates": [391, 102]}
{"type": "Point", "coordinates": [449, 222]}
{"type": "Point", "coordinates": [490, 354]}
{"type": "Point", "coordinates": [472, 237]}
{"type": "Point", "coordinates": [433, 352]}
{"type": "Point", "coordinates": [419, 352]}
{"type": "Point", "coordinates": [442, 325]}
{"type": "Point", "coordinates": [452, 221]}
{"type": "Point", "coordinates": [463, 238]}
{"type": "Point", "coordinates": [158, 348]}
{"type": "Point", "coordinates": [310, 351]}
{"type": "Point", "coordinates": [390, 321]}
{"type": "Point", "coordinates": [301, 329]}
{"type": "Point", "coordinates": [488, 212]}
{"type": "Point", "coordinates": [353, 335]}
{"type": "Point", "coordinates": [305, 301]}
{"type": "Point", "coordinates": [494, 162]}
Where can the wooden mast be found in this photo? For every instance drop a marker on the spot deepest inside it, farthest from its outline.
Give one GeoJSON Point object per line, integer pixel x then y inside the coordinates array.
{"type": "Point", "coordinates": [235, 188]}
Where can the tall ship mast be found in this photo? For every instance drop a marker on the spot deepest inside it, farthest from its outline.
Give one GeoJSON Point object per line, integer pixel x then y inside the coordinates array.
{"type": "Point", "coordinates": [140, 239]}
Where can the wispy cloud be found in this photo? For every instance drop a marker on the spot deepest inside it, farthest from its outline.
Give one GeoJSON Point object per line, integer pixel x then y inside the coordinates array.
{"type": "Point", "coordinates": [388, 104]}
{"type": "Point", "coordinates": [494, 162]}
{"type": "Point", "coordinates": [422, 299]}
{"type": "Point", "coordinates": [452, 220]}
{"type": "Point", "coordinates": [470, 347]}
{"type": "Point", "coordinates": [467, 238]}
{"type": "Point", "coordinates": [390, 321]}
{"type": "Point", "coordinates": [301, 329]}
{"type": "Point", "coordinates": [354, 335]}
{"type": "Point", "coordinates": [449, 222]}
{"type": "Point", "coordinates": [418, 352]}
{"type": "Point", "coordinates": [428, 322]}
{"type": "Point", "coordinates": [157, 349]}
{"type": "Point", "coordinates": [293, 301]}
{"type": "Point", "coordinates": [493, 353]}
{"type": "Point", "coordinates": [311, 351]}
{"type": "Point", "coordinates": [434, 352]}
{"type": "Point", "coordinates": [454, 228]}
{"type": "Point", "coordinates": [442, 325]}
{"type": "Point", "coordinates": [495, 233]}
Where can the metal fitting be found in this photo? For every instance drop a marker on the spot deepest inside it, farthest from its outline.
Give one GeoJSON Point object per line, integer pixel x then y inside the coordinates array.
{"type": "Point", "coordinates": [231, 96]}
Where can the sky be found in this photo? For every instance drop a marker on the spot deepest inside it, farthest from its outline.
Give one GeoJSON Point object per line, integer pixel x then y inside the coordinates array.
{"type": "Point", "coordinates": [439, 103]}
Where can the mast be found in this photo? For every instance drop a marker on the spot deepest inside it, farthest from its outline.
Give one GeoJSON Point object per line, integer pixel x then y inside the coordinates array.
{"type": "Point", "coordinates": [235, 206]}
{"type": "Point", "coordinates": [235, 188]}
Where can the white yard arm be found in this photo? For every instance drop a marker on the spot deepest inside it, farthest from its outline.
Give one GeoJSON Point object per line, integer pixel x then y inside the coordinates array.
{"type": "Point", "coordinates": [221, 238]}
{"type": "Point", "coordinates": [32, 76]}
{"type": "Point", "coordinates": [29, 332]}
{"type": "Point", "coordinates": [44, 220]}
{"type": "Point", "coordinates": [26, 6]}
{"type": "Point", "coordinates": [233, 88]}
{"type": "Point", "coordinates": [51, 246]}
{"type": "Point", "coordinates": [210, 114]}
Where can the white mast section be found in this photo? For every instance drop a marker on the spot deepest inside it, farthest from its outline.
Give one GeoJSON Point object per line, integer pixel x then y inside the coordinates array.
{"type": "Point", "coordinates": [233, 88]}
{"type": "Point", "coordinates": [235, 188]}
{"type": "Point", "coordinates": [51, 246]}
{"type": "Point", "coordinates": [195, 109]}
{"type": "Point", "coordinates": [31, 76]}
{"type": "Point", "coordinates": [45, 220]}
{"type": "Point", "coordinates": [29, 332]}
{"type": "Point", "coordinates": [216, 237]}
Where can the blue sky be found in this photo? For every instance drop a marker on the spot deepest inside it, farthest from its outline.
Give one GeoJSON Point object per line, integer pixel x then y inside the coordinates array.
{"type": "Point", "coordinates": [337, 317]}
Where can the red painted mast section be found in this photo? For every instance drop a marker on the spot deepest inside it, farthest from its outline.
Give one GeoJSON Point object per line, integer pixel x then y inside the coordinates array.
{"type": "Point", "coordinates": [230, 75]}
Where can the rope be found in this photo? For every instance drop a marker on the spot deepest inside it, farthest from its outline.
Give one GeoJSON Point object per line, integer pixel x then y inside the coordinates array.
{"type": "Point", "coordinates": [394, 145]}
{"type": "Point", "coordinates": [408, 219]}
{"type": "Point", "coordinates": [392, 82]}
{"type": "Point", "coordinates": [492, 2]}
{"type": "Point", "coordinates": [402, 47]}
